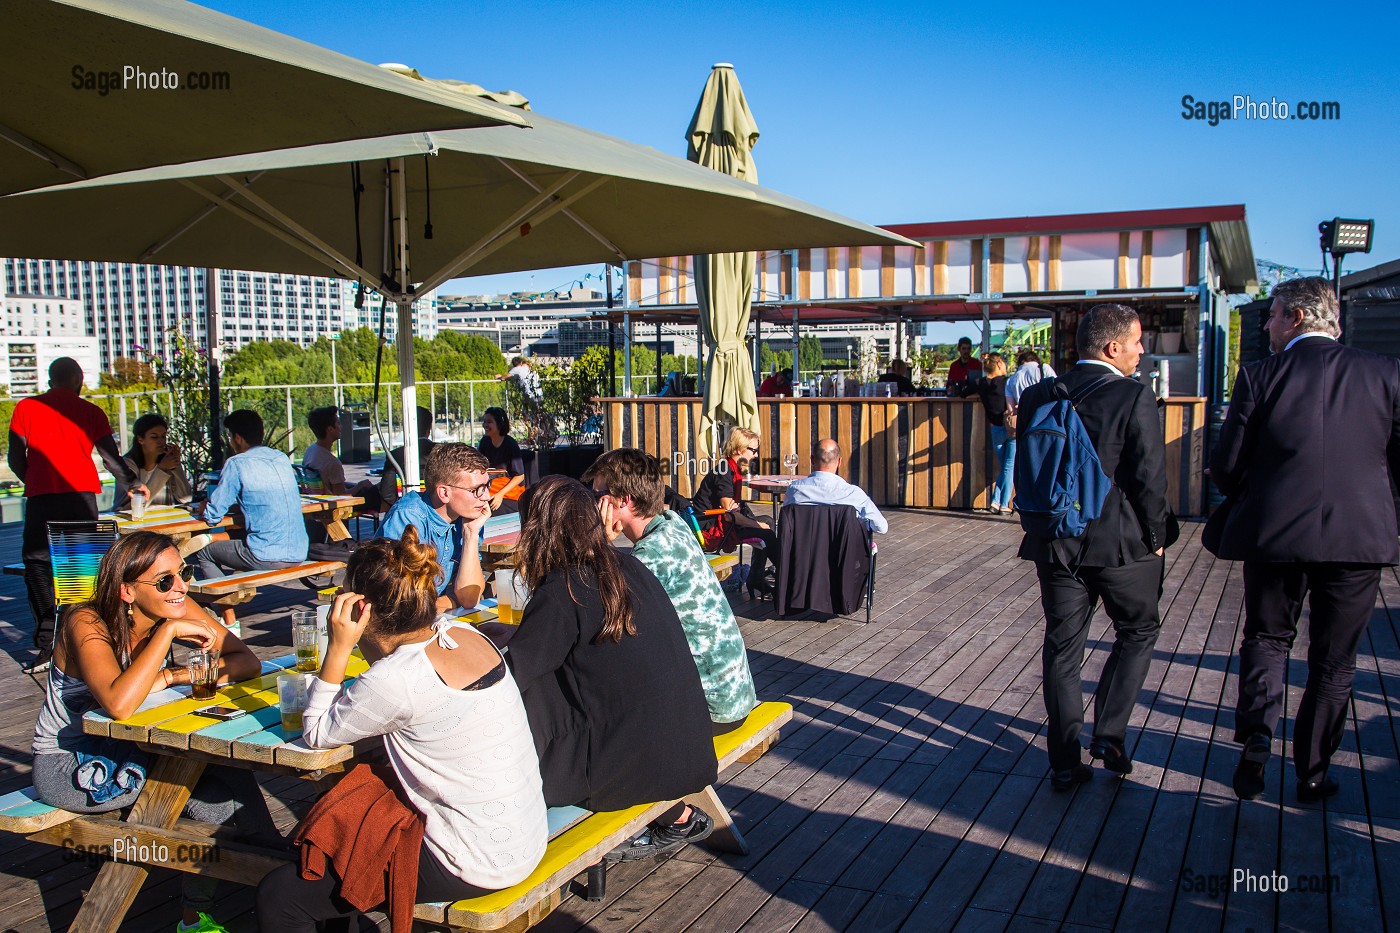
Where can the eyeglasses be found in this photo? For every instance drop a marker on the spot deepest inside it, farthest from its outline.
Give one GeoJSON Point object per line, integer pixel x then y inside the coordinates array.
{"type": "Point", "coordinates": [166, 581]}
{"type": "Point", "coordinates": [600, 493]}
{"type": "Point", "coordinates": [754, 451]}
{"type": "Point", "coordinates": [481, 492]}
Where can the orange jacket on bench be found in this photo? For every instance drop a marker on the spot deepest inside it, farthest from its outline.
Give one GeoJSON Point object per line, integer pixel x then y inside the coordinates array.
{"type": "Point", "coordinates": [373, 841]}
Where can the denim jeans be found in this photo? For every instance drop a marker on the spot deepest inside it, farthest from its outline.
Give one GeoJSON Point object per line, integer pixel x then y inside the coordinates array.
{"type": "Point", "coordinates": [1005, 449]}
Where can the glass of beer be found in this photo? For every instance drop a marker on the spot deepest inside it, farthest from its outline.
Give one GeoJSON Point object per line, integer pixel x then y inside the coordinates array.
{"type": "Point", "coordinates": [511, 596]}
{"type": "Point", "coordinates": [291, 700]}
{"type": "Point", "coordinates": [204, 674]}
{"type": "Point", "coordinates": [306, 640]}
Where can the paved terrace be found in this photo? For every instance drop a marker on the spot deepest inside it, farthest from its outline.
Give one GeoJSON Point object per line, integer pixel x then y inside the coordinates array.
{"type": "Point", "coordinates": [911, 794]}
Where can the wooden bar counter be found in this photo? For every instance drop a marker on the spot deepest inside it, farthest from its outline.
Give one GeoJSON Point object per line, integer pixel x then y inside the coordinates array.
{"type": "Point", "coordinates": [910, 452]}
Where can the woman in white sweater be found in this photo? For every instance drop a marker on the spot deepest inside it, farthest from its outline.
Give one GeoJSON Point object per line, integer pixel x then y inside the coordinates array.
{"type": "Point", "coordinates": [453, 725]}
{"type": "Point", "coordinates": [156, 463]}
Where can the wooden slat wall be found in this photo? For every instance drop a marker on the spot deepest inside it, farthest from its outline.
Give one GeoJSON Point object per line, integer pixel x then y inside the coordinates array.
{"type": "Point", "coordinates": [940, 267]}
{"type": "Point", "coordinates": [1145, 271]}
{"type": "Point", "coordinates": [946, 464]}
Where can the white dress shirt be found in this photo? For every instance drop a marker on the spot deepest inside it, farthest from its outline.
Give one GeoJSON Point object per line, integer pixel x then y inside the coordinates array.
{"type": "Point", "coordinates": [823, 488]}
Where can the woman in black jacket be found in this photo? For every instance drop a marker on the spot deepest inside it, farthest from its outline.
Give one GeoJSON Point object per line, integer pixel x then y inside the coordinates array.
{"type": "Point", "coordinates": [613, 695]}
{"type": "Point", "coordinates": [722, 488]}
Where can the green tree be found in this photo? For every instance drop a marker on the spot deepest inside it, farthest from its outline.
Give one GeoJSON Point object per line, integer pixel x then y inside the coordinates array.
{"type": "Point", "coordinates": [128, 375]}
{"type": "Point", "coordinates": [809, 349]}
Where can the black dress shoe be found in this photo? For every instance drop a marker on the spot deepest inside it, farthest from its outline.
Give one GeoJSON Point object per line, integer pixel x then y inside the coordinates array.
{"type": "Point", "coordinates": [1061, 781]}
{"type": "Point", "coordinates": [1112, 755]}
{"type": "Point", "coordinates": [1313, 791]}
{"type": "Point", "coordinates": [1249, 772]}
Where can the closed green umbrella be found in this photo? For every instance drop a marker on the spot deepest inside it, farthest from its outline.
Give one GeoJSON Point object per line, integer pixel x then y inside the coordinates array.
{"type": "Point", "coordinates": [404, 214]}
{"type": "Point", "coordinates": [93, 87]}
{"type": "Point", "coordinates": [722, 135]}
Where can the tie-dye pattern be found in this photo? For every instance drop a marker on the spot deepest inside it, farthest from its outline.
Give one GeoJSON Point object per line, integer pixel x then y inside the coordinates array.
{"type": "Point", "coordinates": [669, 550]}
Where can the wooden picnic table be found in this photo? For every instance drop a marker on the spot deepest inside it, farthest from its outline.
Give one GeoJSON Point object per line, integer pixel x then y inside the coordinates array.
{"type": "Point", "coordinates": [179, 524]}
{"type": "Point", "coordinates": [182, 744]}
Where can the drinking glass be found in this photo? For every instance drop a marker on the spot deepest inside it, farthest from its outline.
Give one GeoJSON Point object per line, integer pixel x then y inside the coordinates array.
{"type": "Point", "coordinates": [306, 638]}
{"type": "Point", "coordinates": [790, 462]}
{"type": "Point", "coordinates": [204, 674]}
{"type": "Point", "coordinates": [511, 596]}
{"type": "Point", "coordinates": [138, 506]}
{"type": "Point", "coordinates": [291, 700]}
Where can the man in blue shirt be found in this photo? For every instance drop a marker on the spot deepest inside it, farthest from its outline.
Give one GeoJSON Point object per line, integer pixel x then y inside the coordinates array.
{"type": "Point", "coordinates": [262, 483]}
{"type": "Point", "coordinates": [824, 487]}
{"type": "Point", "coordinates": [449, 514]}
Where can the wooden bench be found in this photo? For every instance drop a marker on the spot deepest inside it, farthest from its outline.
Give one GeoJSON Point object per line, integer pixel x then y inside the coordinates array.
{"type": "Point", "coordinates": [237, 588]}
{"type": "Point", "coordinates": [723, 565]}
{"type": "Point", "coordinates": [580, 847]}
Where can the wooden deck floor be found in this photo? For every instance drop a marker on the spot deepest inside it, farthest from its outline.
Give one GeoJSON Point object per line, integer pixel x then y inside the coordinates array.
{"type": "Point", "coordinates": [911, 793]}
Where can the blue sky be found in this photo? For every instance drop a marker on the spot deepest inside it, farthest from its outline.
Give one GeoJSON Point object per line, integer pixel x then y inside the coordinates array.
{"type": "Point", "coordinates": [913, 112]}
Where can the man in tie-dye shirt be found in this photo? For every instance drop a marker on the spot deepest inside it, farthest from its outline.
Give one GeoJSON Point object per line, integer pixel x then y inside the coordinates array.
{"type": "Point", "coordinates": [631, 491]}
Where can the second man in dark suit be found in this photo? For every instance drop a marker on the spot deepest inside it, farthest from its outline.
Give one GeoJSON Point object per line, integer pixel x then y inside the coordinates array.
{"type": "Point", "coordinates": [1118, 559]}
{"type": "Point", "coordinates": [1304, 460]}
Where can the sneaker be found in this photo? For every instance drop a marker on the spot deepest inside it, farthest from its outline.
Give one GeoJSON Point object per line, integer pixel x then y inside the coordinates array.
{"type": "Point", "coordinates": [664, 840]}
{"type": "Point", "coordinates": [40, 663]}
{"type": "Point", "coordinates": [194, 544]}
{"type": "Point", "coordinates": [206, 924]}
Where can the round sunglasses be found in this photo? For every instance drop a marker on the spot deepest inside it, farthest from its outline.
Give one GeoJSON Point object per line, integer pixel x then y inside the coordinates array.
{"type": "Point", "coordinates": [166, 581]}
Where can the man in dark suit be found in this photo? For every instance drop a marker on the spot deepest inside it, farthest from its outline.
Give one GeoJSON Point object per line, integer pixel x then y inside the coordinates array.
{"type": "Point", "coordinates": [1118, 559]}
{"type": "Point", "coordinates": [1304, 459]}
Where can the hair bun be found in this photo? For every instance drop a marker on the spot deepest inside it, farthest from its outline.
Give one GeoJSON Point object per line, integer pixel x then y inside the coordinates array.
{"type": "Point", "coordinates": [415, 559]}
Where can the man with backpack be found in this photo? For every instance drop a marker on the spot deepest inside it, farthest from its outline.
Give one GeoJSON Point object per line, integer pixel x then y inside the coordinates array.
{"type": "Point", "coordinates": [1091, 488]}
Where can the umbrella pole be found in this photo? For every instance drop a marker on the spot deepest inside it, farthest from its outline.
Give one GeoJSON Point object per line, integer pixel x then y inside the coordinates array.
{"type": "Point", "coordinates": [796, 356]}
{"type": "Point", "coordinates": [403, 336]}
{"type": "Point", "coordinates": [626, 354]}
{"type": "Point", "coordinates": [612, 357]}
{"type": "Point", "coordinates": [211, 341]}
{"type": "Point", "coordinates": [757, 351]}
{"type": "Point", "coordinates": [656, 383]}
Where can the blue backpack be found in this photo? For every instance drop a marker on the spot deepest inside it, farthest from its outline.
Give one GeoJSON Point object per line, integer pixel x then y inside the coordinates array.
{"type": "Point", "coordinates": [1060, 483]}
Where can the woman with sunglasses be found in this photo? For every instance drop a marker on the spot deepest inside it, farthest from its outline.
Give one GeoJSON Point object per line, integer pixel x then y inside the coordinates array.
{"type": "Point", "coordinates": [722, 488]}
{"type": "Point", "coordinates": [110, 654]}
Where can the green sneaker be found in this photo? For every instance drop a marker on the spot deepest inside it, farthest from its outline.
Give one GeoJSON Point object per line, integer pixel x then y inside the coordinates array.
{"type": "Point", "coordinates": [206, 925]}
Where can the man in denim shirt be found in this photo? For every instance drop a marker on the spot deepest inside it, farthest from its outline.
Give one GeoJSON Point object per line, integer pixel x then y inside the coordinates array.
{"type": "Point", "coordinates": [449, 514]}
{"type": "Point", "coordinates": [261, 482]}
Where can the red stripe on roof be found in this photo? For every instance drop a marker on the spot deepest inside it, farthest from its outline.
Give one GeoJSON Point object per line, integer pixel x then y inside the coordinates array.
{"type": "Point", "coordinates": [1065, 223]}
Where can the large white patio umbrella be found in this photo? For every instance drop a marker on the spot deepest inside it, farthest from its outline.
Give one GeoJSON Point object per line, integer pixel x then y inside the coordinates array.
{"type": "Point", "coordinates": [86, 90]}
{"type": "Point", "coordinates": [404, 214]}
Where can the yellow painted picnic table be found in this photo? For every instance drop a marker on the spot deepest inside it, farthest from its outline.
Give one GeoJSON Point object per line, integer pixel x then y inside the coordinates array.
{"type": "Point", "coordinates": [182, 743]}
{"type": "Point", "coordinates": [177, 522]}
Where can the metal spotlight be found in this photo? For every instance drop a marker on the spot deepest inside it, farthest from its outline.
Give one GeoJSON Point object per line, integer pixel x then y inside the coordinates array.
{"type": "Point", "coordinates": [1340, 237]}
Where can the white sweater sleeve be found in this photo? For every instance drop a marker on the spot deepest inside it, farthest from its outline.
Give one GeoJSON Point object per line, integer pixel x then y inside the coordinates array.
{"type": "Point", "coordinates": [337, 714]}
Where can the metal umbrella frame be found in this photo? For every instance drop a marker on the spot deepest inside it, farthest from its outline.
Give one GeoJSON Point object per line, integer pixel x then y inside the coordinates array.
{"type": "Point", "coordinates": [505, 200]}
{"type": "Point", "coordinates": [96, 87]}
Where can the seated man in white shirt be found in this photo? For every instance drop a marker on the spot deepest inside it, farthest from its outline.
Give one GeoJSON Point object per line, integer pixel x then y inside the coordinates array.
{"type": "Point", "coordinates": [824, 487]}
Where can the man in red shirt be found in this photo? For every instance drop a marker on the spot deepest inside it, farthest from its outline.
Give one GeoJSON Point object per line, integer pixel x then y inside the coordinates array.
{"type": "Point", "coordinates": [52, 437]}
{"type": "Point", "coordinates": [965, 370]}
